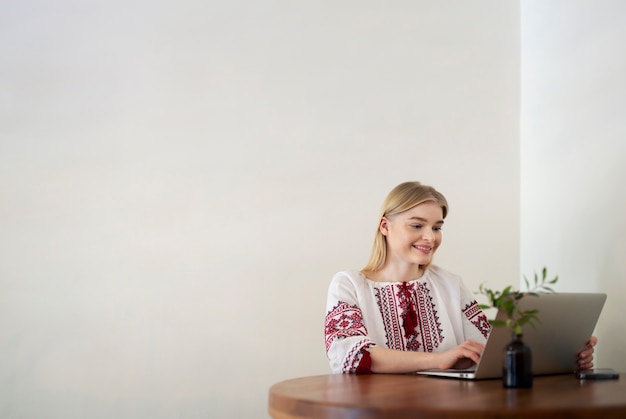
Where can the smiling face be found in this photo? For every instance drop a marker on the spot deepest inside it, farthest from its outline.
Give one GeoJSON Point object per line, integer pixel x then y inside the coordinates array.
{"type": "Point", "coordinates": [414, 235]}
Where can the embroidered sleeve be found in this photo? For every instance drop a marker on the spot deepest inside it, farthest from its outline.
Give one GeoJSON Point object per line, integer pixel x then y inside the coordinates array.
{"type": "Point", "coordinates": [346, 338]}
{"type": "Point", "coordinates": [477, 318]}
{"type": "Point", "coordinates": [359, 361]}
{"type": "Point", "coordinates": [345, 333]}
{"type": "Point", "coordinates": [343, 321]}
{"type": "Point", "coordinates": [475, 323]}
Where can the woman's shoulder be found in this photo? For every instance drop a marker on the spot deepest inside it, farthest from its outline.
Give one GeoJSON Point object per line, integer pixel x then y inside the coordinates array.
{"type": "Point", "coordinates": [440, 274]}
{"type": "Point", "coordinates": [349, 282]}
{"type": "Point", "coordinates": [350, 275]}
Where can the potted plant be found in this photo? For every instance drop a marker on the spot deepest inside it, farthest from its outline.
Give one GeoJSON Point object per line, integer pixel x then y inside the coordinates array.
{"type": "Point", "coordinates": [517, 368]}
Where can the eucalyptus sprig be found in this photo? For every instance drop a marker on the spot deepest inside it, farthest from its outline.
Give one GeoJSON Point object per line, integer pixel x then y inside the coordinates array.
{"type": "Point", "coordinates": [508, 300]}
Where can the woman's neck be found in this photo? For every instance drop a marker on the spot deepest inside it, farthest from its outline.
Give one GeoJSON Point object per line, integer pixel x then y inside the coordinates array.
{"type": "Point", "coordinates": [394, 273]}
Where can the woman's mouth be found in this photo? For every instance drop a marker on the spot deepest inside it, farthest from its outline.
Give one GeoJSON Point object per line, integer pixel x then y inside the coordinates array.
{"type": "Point", "coordinates": [423, 249]}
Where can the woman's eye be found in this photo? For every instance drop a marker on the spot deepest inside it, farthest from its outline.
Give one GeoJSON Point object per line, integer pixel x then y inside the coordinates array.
{"type": "Point", "coordinates": [420, 226]}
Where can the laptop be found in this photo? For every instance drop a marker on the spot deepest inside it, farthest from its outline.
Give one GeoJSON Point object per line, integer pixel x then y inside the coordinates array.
{"type": "Point", "coordinates": [567, 321]}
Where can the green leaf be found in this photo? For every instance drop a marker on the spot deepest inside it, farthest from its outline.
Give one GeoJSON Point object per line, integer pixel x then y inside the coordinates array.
{"type": "Point", "coordinates": [508, 299]}
{"type": "Point", "coordinates": [508, 306]}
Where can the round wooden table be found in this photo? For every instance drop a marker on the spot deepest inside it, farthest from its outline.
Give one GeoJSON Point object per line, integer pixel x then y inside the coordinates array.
{"type": "Point", "coordinates": [411, 396]}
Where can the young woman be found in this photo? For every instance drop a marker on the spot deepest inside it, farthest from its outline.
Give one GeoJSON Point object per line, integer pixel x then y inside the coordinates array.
{"type": "Point", "coordinates": [401, 313]}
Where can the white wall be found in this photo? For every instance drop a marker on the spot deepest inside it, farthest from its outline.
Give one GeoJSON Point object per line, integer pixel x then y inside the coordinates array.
{"type": "Point", "coordinates": [573, 153]}
{"type": "Point", "coordinates": [180, 180]}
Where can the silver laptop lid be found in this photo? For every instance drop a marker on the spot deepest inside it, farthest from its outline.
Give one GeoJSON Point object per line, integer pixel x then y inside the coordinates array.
{"type": "Point", "coordinates": [567, 321]}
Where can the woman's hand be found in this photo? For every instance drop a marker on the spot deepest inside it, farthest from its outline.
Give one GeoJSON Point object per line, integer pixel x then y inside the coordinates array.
{"type": "Point", "coordinates": [462, 356]}
{"type": "Point", "coordinates": [393, 361]}
{"type": "Point", "coordinates": [585, 357]}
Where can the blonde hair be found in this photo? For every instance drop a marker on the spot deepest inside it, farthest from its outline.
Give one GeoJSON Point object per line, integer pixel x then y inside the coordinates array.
{"type": "Point", "coordinates": [401, 198]}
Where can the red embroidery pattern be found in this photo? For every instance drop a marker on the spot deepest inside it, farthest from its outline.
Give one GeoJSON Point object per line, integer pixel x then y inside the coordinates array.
{"type": "Point", "coordinates": [430, 327]}
{"type": "Point", "coordinates": [395, 303]}
{"type": "Point", "coordinates": [342, 321]}
{"type": "Point", "coordinates": [357, 359]}
{"type": "Point", "coordinates": [477, 317]}
{"type": "Point", "coordinates": [388, 306]}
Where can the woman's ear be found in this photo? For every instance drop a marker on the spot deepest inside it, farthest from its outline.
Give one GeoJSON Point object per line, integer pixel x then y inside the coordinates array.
{"type": "Point", "coordinates": [384, 226]}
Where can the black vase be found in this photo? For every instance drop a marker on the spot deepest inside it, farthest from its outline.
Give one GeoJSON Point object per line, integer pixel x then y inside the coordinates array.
{"type": "Point", "coordinates": [518, 364]}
